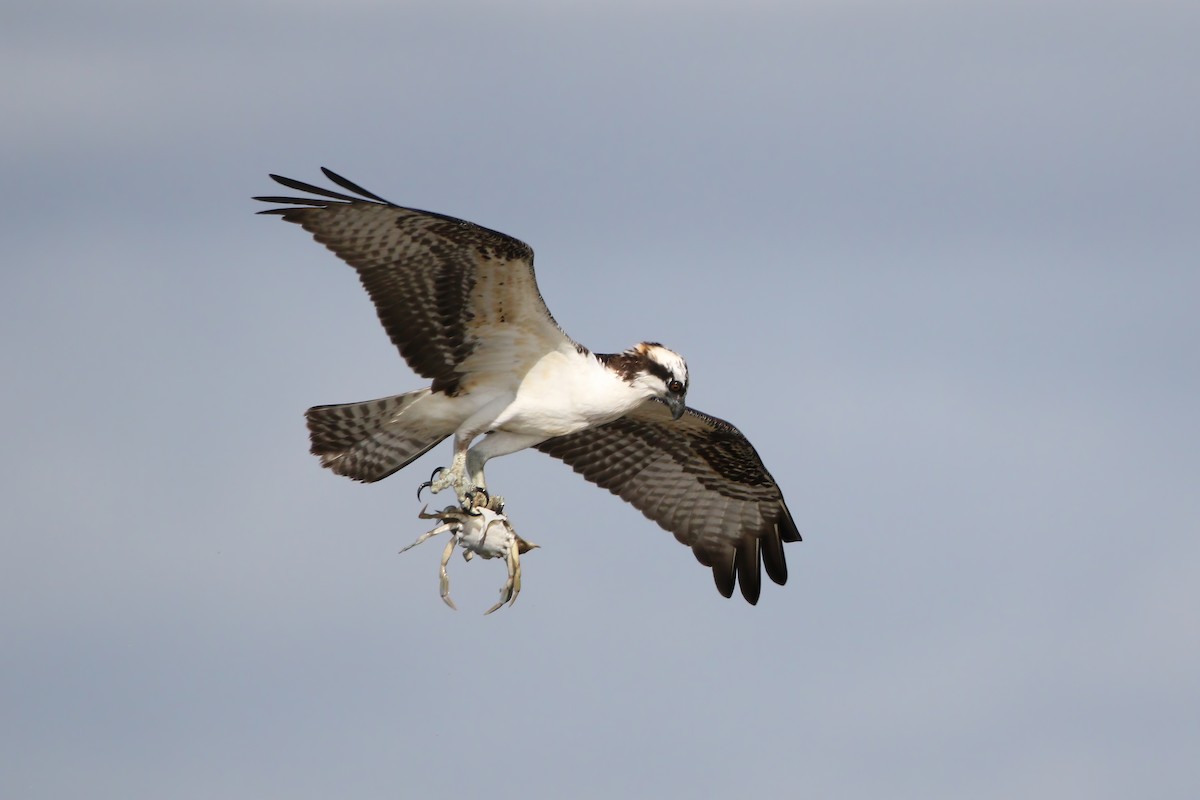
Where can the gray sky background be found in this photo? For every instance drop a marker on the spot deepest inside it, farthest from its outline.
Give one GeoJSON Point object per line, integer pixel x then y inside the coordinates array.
{"type": "Point", "coordinates": [939, 261]}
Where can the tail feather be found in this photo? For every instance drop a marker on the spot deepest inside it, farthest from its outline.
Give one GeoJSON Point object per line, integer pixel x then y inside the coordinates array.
{"type": "Point", "coordinates": [370, 440]}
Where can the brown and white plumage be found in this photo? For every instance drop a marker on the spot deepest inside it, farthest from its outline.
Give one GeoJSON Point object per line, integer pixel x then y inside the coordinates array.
{"type": "Point", "coordinates": [697, 477]}
{"type": "Point", "coordinates": [461, 304]}
{"type": "Point", "coordinates": [450, 294]}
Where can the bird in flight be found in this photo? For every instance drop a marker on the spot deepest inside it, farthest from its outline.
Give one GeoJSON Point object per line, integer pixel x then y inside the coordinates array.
{"type": "Point", "coordinates": [461, 304]}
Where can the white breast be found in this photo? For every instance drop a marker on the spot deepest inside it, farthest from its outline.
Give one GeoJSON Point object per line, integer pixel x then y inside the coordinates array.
{"type": "Point", "coordinates": [567, 392]}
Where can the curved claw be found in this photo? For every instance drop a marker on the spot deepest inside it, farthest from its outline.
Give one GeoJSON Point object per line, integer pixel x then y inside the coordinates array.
{"type": "Point", "coordinates": [492, 502]}
{"type": "Point", "coordinates": [473, 503]}
{"type": "Point", "coordinates": [429, 483]}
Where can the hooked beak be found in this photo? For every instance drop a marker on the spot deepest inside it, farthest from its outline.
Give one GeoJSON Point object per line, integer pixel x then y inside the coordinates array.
{"type": "Point", "coordinates": [676, 403]}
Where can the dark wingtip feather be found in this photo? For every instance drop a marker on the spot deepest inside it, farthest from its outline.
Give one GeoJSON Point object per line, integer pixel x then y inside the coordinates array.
{"type": "Point", "coordinates": [724, 576]}
{"type": "Point", "coordinates": [749, 571]}
{"type": "Point", "coordinates": [773, 557]}
{"type": "Point", "coordinates": [322, 197]}
{"type": "Point", "coordinates": [787, 526]}
{"type": "Point", "coordinates": [350, 186]}
{"type": "Point", "coordinates": [297, 201]}
{"type": "Point", "coordinates": [301, 186]}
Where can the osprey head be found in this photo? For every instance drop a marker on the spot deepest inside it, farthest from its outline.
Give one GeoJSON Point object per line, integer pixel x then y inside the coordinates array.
{"type": "Point", "coordinates": [663, 372]}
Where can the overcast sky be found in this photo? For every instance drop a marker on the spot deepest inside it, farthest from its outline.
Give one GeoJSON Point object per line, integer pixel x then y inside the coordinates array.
{"type": "Point", "coordinates": [939, 261]}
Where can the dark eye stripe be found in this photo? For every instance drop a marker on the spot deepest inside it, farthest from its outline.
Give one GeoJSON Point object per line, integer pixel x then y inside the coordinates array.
{"type": "Point", "coordinates": [658, 370]}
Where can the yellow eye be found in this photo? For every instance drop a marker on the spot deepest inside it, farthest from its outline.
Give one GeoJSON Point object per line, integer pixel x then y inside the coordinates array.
{"type": "Point", "coordinates": [675, 387]}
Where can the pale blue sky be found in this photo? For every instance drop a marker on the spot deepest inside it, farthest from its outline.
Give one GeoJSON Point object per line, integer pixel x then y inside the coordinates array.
{"type": "Point", "coordinates": [939, 261]}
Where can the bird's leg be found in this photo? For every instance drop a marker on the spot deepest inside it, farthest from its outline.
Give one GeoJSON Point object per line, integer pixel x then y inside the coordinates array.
{"type": "Point", "coordinates": [445, 577]}
{"type": "Point", "coordinates": [453, 477]}
{"type": "Point", "coordinates": [467, 483]}
{"type": "Point", "coordinates": [477, 494]}
{"type": "Point", "coordinates": [496, 443]}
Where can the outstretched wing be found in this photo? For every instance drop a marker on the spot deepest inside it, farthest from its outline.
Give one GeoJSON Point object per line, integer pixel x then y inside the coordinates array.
{"type": "Point", "coordinates": [455, 298]}
{"type": "Point", "coordinates": [698, 478]}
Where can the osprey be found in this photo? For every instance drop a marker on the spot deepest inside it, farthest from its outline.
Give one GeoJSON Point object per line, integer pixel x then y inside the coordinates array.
{"type": "Point", "coordinates": [461, 304]}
